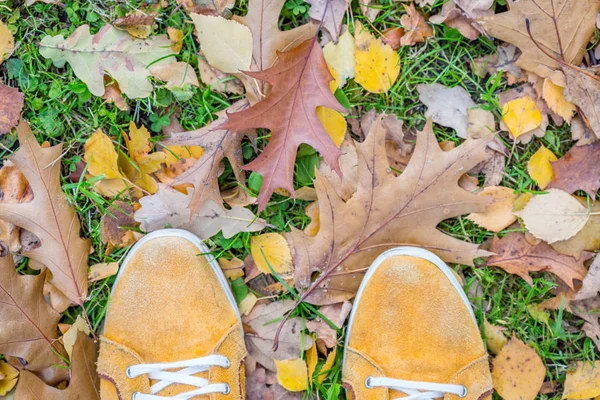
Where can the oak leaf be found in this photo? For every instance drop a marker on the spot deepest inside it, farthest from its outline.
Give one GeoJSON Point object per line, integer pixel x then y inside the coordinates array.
{"type": "Point", "coordinates": [578, 169]}
{"type": "Point", "coordinates": [576, 21]}
{"type": "Point", "coordinates": [29, 324]}
{"type": "Point", "coordinates": [117, 226]}
{"type": "Point", "coordinates": [13, 189]}
{"type": "Point", "coordinates": [218, 143]}
{"type": "Point", "coordinates": [582, 88]}
{"type": "Point", "coordinates": [50, 217]}
{"type": "Point", "coordinates": [515, 255]}
{"type": "Point", "coordinates": [300, 81]}
{"type": "Point", "coordinates": [11, 104]}
{"type": "Point", "coordinates": [387, 211]}
{"type": "Point", "coordinates": [84, 383]}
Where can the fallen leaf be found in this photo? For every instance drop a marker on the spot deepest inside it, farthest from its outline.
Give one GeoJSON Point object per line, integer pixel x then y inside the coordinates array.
{"type": "Point", "coordinates": [102, 271]}
{"type": "Point", "coordinates": [516, 255]}
{"type": "Point", "coordinates": [331, 18]}
{"type": "Point", "coordinates": [377, 64]}
{"type": "Point", "coordinates": [84, 381]}
{"type": "Point", "coordinates": [110, 51]}
{"type": "Point", "coordinates": [102, 160]}
{"type": "Point", "coordinates": [300, 82]}
{"type": "Point", "coordinates": [232, 269]}
{"type": "Point", "coordinates": [257, 389]}
{"type": "Point", "coordinates": [578, 169]}
{"type": "Point", "coordinates": [49, 216]}
{"type": "Point", "coordinates": [340, 57]}
{"type": "Point", "coordinates": [575, 22]}
{"type": "Point", "coordinates": [539, 314]}
{"type": "Point", "coordinates": [227, 44]}
{"type": "Point", "coordinates": [271, 250]}
{"type": "Point", "coordinates": [336, 314]}
{"type": "Point", "coordinates": [292, 374]}
{"type": "Point", "coordinates": [583, 382]}
{"type": "Point", "coordinates": [177, 75]}
{"type": "Point", "coordinates": [521, 116]}
{"type": "Point", "coordinates": [518, 372]}
{"type": "Point", "coordinates": [178, 159]}
{"type": "Point", "coordinates": [494, 337]}
{"type": "Point", "coordinates": [590, 285]}
{"type": "Point", "coordinates": [384, 211]}
{"type": "Point", "coordinates": [11, 104]}
{"type": "Point", "coordinates": [554, 216]}
{"type": "Point", "coordinates": [502, 61]}
{"type": "Point", "coordinates": [499, 213]}
{"type": "Point", "coordinates": [218, 80]}
{"type": "Point", "coordinates": [116, 226]}
{"type": "Point", "coordinates": [263, 320]}
{"type": "Point", "coordinates": [206, 7]}
{"type": "Point", "coordinates": [583, 90]}
{"type": "Point", "coordinates": [369, 9]}
{"type": "Point", "coordinates": [138, 23]}
{"type": "Point", "coordinates": [312, 212]}
{"type": "Point", "coordinates": [327, 366]}
{"type": "Point", "coordinates": [539, 167]}
{"type": "Point", "coordinates": [447, 106]}
{"type": "Point", "coordinates": [312, 358]}
{"type": "Point", "coordinates": [480, 123]}
{"type": "Point", "coordinates": [71, 334]}
{"type": "Point", "coordinates": [587, 310]}
{"type": "Point", "coordinates": [453, 17]}
{"type": "Point", "coordinates": [218, 143]}
{"type": "Point", "coordinates": [169, 207]}
{"type": "Point", "coordinates": [112, 94]}
{"type": "Point", "coordinates": [139, 147]}
{"type": "Point", "coordinates": [416, 29]}
{"type": "Point", "coordinates": [13, 189]}
{"type": "Point", "coordinates": [29, 329]}
{"type": "Point", "coordinates": [7, 42]}
{"type": "Point", "coordinates": [176, 38]}
{"type": "Point", "coordinates": [553, 94]}
{"type": "Point", "coordinates": [9, 376]}
{"type": "Point", "coordinates": [248, 303]}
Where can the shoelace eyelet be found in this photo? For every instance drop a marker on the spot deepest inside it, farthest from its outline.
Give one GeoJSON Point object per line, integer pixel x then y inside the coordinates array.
{"type": "Point", "coordinates": [368, 383]}
{"type": "Point", "coordinates": [227, 389]}
{"type": "Point", "coordinates": [227, 364]}
{"type": "Point", "coordinates": [464, 393]}
{"type": "Point", "coordinates": [128, 373]}
{"type": "Point", "coordinates": [134, 395]}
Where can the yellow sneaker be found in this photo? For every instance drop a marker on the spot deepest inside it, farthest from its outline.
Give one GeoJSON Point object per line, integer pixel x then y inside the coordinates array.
{"type": "Point", "coordinates": [172, 327]}
{"type": "Point", "coordinates": [412, 333]}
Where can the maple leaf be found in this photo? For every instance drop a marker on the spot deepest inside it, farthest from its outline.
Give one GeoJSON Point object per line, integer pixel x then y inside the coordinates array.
{"type": "Point", "coordinates": [579, 169]}
{"type": "Point", "coordinates": [29, 325]}
{"type": "Point", "coordinates": [84, 383]}
{"type": "Point", "coordinates": [575, 20]}
{"type": "Point", "coordinates": [218, 143]}
{"type": "Point", "coordinates": [387, 211]}
{"type": "Point", "coordinates": [516, 255]}
{"type": "Point", "coordinates": [11, 104]}
{"type": "Point", "coordinates": [300, 82]}
{"type": "Point", "coordinates": [50, 217]}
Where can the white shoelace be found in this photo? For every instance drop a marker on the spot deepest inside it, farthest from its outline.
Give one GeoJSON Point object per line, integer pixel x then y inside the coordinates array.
{"type": "Point", "coordinates": [184, 376]}
{"type": "Point", "coordinates": [414, 390]}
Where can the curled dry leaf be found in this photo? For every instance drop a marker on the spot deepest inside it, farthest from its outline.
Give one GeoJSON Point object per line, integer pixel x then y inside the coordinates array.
{"type": "Point", "coordinates": [116, 226]}
{"type": "Point", "coordinates": [11, 104]}
{"type": "Point", "coordinates": [271, 250]}
{"type": "Point", "coordinates": [515, 255]}
{"type": "Point", "coordinates": [447, 106]}
{"type": "Point", "coordinates": [518, 372]}
{"type": "Point", "coordinates": [345, 244]}
{"type": "Point", "coordinates": [206, 7]}
{"type": "Point", "coordinates": [416, 29]}
{"type": "Point", "coordinates": [49, 216]}
{"type": "Point", "coordinates": [502, 61]}
{"type": "Point", "coordinates": [499, 213]}
{"type": "Point", "coordinates": [218, 80]}
{"type": "Point", "coordinates": [579, 169]}
{"type": "Point", "coordinates": [300, 82]}
{"type": "Point", "coordinates": [554, 216]}
{"type": "Point", "coordinates": [453, 17]}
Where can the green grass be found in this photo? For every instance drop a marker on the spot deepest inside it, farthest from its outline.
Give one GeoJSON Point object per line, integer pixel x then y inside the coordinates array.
{"type": "Point", "coordinates": [60, 109]}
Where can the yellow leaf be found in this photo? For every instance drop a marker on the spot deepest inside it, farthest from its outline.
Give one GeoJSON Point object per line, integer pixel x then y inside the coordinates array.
{"type": "Point", "coordinates": [248, 304]}
{"type": "Point", "coordinates": [233, 268]}
{"type": "Point", "coordinates": [292, 374]}
{"type": "Point", "coordinates": [176, 38]}
{"type": "Point", "coordinates": [521, 116]}
{"type": "Point", "coordinates": [584, 382]}
{"type": "Point", "coordinates": [111, 187]}
{"type": "Point", "coordinates": [8, 377]}
{"type": "Point", "coordinates": [312, 211]}
{"type": "Point", "coordinates": [7, 42]}
{"type": "Point", "coordinates": [327, 366]}
{"type": "Point", "coordinates": [340, 59]}
{"type": "Point", "coordinates": [152, 162]}
{"type": "Point", "coordinates": [499, 214]}
{"type": "Point", "coordinates": [494, 338]}
{"type": "Point", "coordinates": [176, 153]}
{"type": "Point", "coordinates": [141, 180]}
{"type": "Point", "coordinates": [539, 167]}
{"type": "Point", "coordinates": [518, 372]}
{"type": "Point", "coordinates": [101, 156]}
{"type": "Point", "coordinates": [71, 335]}
{"type": "Point", "coordinates": [139, 31]}
{"type": "Point", "coordinates": [553, 94]}
{"type": "Point", "coordinates": [272, 249]}
{"type": "Point", "coordinates": [138, 141]}
{"type": "Point", "coordinates": [377, 64]}
{"type": "Point", "coordinates": [311, 360]}
{"type": "Point", "coordinates": [334, 124]}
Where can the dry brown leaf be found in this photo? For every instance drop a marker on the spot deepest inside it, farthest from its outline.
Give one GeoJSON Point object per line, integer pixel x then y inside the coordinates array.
{"type": "Point", "coordinates": [326, 335]}
{"type": "Point", "coordinates": [576, 22]}
{"type": "Point", "coordinates": [217, 80]}
{"type": "Point", "coordinates": [583, 90]}
{"type": "Point", "coordinates": [257, 387]}
{"type": "Point", "coordinates": [387, 211]}
{"type": "Point", "coordinates": [218, 143]}
{"type": "Point", "coordinates": [591, 283]}
{"type": "Point", "coordinates": [50, 217]}
{"type": "Point", "coordinates": [102, 271]}
{"type": "Point", "coordinates": [516, 255]}
{"type": "Point", "coordinates": [416, 29]}
{"type": "Point", "coordinates": [29, 324]}
{"type": "Point", "coordinates": [587, 310]}
{"type": "Point", "coordinates": [13, 189]}
{"type": "Point", "coordinates": [453, 17]}
{"type": "Point", "coordinates": [117, 226]}
{"type": "Point", "coordinates": [206, 7]}
{"type": "Point", "coordinates": [447, 106]}
{"type": "Point", "coordinates": [112, 94]}
{"type": "Point", "coordinates": [332, 17]}
{"type": "Point", "coordinates": [578, 169]}
{"type": "Point", "coordinates": [503, 60]}
{"type": "Point", "coordinates": [499, 213]}
{"type": "Point", "coordinates": [587, 238]}
{"type": "Point", "coordinates": [84, 383]}
{"type": "Point", "coordinates": [11, 104]}
{"type": "Point", "coordinates": [518, 372]}
{"type": "Point", "coordinates": [233, 268]}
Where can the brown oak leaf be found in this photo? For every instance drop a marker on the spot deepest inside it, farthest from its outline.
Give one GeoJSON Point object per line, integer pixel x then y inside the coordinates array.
{"type": "Point", "coordinates": [415, 27]}
{"type": "Point", "coordinates": [300, 81]}
{"type": "Point", "coordinates": [11, 104]}
{"type": "Point", "coordinates": [387, 211]}
{"type": "Point", "coordinates": [29, 325]}
{"type": "Point", "coordinates": [84, 383]}
{"type": "Point", "coordinates": [579, 169]}
{"type": "Point", "coordinates": [218, 143]}
{"type": "Point", "coordinates": [576, 21]}
{"type": "Point", "coordinates": [50, 217]}
{"type": "Point", "coordinates": [583, 89]}
{"type": "Point", "coordinates": [516, 255]}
